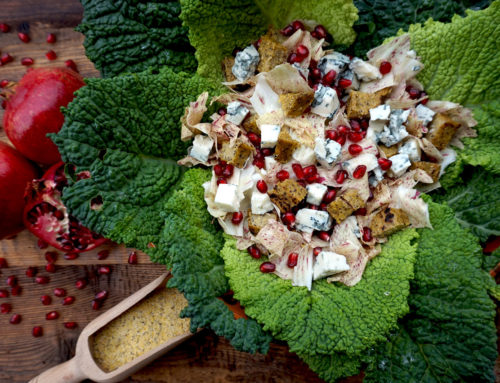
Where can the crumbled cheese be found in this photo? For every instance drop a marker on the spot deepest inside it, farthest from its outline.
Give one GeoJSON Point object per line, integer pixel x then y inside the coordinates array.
{"type": "Point", "coordinates": [326, 102]}
{"type": "Point", "coordinates": [381, 112]}
{"type": "Point", "coordinates": [308, 220]}
{"type": "Point", "coordinates": [424, 114]}
{"type": "Point", "coordinates": [412, 148]}
{"type": "Point", "coordinates": [236, 112]}
{"type": "Point", "coordinates": [365, 71]}
{"type": "Point", "coordinates": [315, 193]}
{"type": "Point", "coordinates": [329, 263]}
{"type": "Point", "coordinates": [245, 63]}
{"type": "Point", "coordinates": [327, 151]}
{"type": "Point", "coordinates": [269, 135]}
{"type": "Point", "coordinates": [226, 198]}
{"type": "Point", "coordinates": [376, 177]}
{"type": "Point", "coordinates": [202, 146]}
{"type": "Point", "coordinates": [396, 131]}
{"type": "Point", "coordinates": [400, 162]}
{"type": "Point", "coordinates": [334, 61]}
{"type": "Point", "coordinates": [261, 203]}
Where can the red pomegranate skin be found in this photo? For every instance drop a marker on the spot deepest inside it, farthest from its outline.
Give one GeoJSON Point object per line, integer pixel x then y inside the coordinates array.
{"type": "Point", "coordinates": [15, 173]}
{"type": "Point", "coordinates": [35, 110]}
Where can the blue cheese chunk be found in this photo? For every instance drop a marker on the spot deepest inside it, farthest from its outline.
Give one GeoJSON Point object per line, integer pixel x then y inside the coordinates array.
{"type": "Point", "coordinates": [226, 198]}
{"type": "Point", "coordinates": [334, 61]}
{"type": "Point", "coordinates": [315, 193]}
{"type": "Point", "coordinates": [376, 176]}
{"type": "Point", "coordinates": [396, 131]}
{"type": "Point", "coordinates": [245, 63]}
{"type": "Point", "coordinates": [308, 220]}
{"type": "Point", "coordinates": [202, 146]}
{"type": "Point", "coordinates": [327, 151]}
{"type": "Point", "coordinates": [400, 163]}
{"type": "Point", "coordinates": [329, 263]}
{"type": "Point", "coordinates": [304, 155]}
{"type": "Point", "coordinates": [326, 102]}
{"type": "Point", "coordinates": [381, 112]}
{"type": "Point", "coordinates": [269, 135]}
{"type": "Point", "coordinates": [412, 149]}
{"type": "Point", "coordinates": [260, 202]}
{"type": "Point", "coordinates": [236, 113]}
{"type": "Point", "coordinates": [365, 71]}
{"type": "Point", "coordinates": [424, 114]}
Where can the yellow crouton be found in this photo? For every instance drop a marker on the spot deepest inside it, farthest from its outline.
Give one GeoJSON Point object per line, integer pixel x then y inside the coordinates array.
{"type": "Point", "coordinates": [237, 154]}
{"type": "Point", "coordinates": [287, 194]}
{"type": "Point", "coordinates": [258, 221]}
{"type": "Point", "coordinates": [352, 197]}
{"type": "Point", "coordinates": [441, 130]}
{"type": "Point", "coordinates": [360, 103]}
{"type": "Point", "coordinates": [339, 210]}
{"type": "Point", "coordinates": [430, 168]}
{"type": "Point", "coordinates": [294, 104]}
{"type": "Point", "coordinates": [387, 221]}
{"type": "Point", "coordinates": [285, 147]}
{"type": "Point", "coordinates": [389, 151]}
{"type": "Point", "coordinates": [271, 53]}
{"type": "Point", "coordinates": [250, 124]}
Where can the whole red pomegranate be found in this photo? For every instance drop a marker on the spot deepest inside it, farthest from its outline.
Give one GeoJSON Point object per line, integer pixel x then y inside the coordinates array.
{"type": "Point", "coordinates": [35, 110]}
{"type": "Point", "coordinates": [15, 173]}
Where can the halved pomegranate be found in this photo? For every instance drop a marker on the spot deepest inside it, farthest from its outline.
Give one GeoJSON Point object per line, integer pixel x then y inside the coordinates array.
{"type": "Point", "coordinates": [46, 216]}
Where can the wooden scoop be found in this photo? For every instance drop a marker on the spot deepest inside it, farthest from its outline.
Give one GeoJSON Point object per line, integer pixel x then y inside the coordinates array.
{"type": "Point", "coordinates": [82, 365]}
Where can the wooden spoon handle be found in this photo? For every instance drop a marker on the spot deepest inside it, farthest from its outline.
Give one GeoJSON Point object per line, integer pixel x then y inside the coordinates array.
{"type": "Point", "coordinates": [67, 372]}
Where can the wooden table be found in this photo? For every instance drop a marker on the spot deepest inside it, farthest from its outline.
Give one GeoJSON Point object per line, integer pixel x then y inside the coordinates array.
{"type": "Point", "coordinates": [205, 358]}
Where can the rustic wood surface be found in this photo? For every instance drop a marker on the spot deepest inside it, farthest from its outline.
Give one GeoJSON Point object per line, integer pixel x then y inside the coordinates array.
{"type": "Point", "coordinates": [205, 357]}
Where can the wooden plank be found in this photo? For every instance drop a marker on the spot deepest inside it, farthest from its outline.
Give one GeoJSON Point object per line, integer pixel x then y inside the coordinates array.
{"type": "Point", "coordinates": [59, 13]}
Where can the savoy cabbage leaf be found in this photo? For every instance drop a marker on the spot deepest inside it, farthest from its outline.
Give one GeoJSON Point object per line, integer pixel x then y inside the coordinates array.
{"type": "Point", "coordinates": [131, 36]}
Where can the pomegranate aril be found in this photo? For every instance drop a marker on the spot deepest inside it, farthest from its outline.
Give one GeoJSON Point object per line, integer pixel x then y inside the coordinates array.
{"type": "Point", "coordinates": [71, 65]}
{"type": "Point", "coordinates": [228, 171]}
{"type": "Point", "coordinates": [103, 254]}
{"type": "Point", "coordinates": [294, 58]}
{"type": "Point", "coordinates": [365, 123]}
{"type": "Point", "coordinates": [414, 93]}
{"type": "Point", "coordinates": [267, 267]}
{"type": "Point", "coordinates": [37, 331]}
{"type": "Point", "coordinates": [262, 186]}
{"type": "Point", "coordinates": [132, 258]}
{"type": "Point", "coordinates": [345, 83]}
{"type": "Point", "coordinates": [4, 28]}
{"type": "Point", "coordinates": [302, 51]}
{"type": "Point", "coordinates": [237, 217]}
{"type": "Point", "coordinates": [254, 138]}
{"type": "Point", "coordinates": [324, 236]}
{"type": "Point", "coordinates": [11, 280]}
{"type": "Point", "coordinates": [5, 308]}
{"type": "Point", "coordinates": [310, 171]}
{"type": "Point", "coordinates": [425, 98]}
{"type": "Point", "coordinates": [254, 252]}
{"type": "Point", "coordinates": [51, 256]}
{"type": "Point", "coordinates": [287, 31]}
{"type": "Point", "coordinates": [4, 83]}
{"type": "Point", "coordinates": [313, 178]}
{"type": "Point", "coordinates": [96, 305]}
{"type": "Point", "coordinates": [70, 256]}
{"type": "Point", "coordinates": [3, 263]}
{"type": "Point", "coordinates": [15, 319]}
{"type": "Point", "coordinates": [81, 283]}
{"type": "Point", "coordinates": [341, 140]}
{"type": "Point", "coordinates": [315, 74]}
{"type": "Point", "coordinates": [329, 196]}
{"type": "Point", "coordinates": [266, 152]}
{"type": "Point", "coordinates": [27, 61]}
{"type": "Point", "coordinates": [343, 129]}
{"type": "Point", "coordinates": [292, 260]}
{"type": "Point", "coordinates": [70, 325]}
{"type": "Point", "coordinates": [50, 268]}
{"type": "Point", "coordinates": [24, 37]}
{"type": "Point", "coordinates": [331, 134]}
{"type": "Point", "coordinates": [46, 300]}
{"type": "Point", "coordinates": [317, 250]}
{"type": "Point", "coordinates": [384, 163]}
{"type": "Point", "coordinates": [51, 38]}
{"type": "Point", "coordinates": [16, 290]}
{"type": "Point", "coordinates": [297, 24]}
{"type": "Point", "coordinates": [52, 315]}
{"type": "Point", "coordinates": [340, 176]}
{"type": "Point", "coordinates": [289, 219]}
{"type": "Point", "coordinates": [42, 280]}
{"type": "Point", "coordinates": [68, 300]}
{"type": "Point", "coordinates": [218, 169]}
{"type": "Point", "coordinates": [282, 175]}
{"type": "Point", "coordinates": [360, 211]}
{"type": "Point", "coordinates": [355, 136]}
{"type": "Point", "coordinates": [51, 55]}
{"type": "Point", "coordinates": [299, 172]}
{"type": "Point", "coordinates": [329, 77]}
{"type": "Point", "coordinates": [359, 172]}
{"type": "Point", "coordinates": [104, 270]}
{"type": "Point", "coordinates": [4, 293]}
{"type": "Point", "coordinates": [367, 234]}
{"type": "Point", "coordinates": [320, 32]}
{"type": "Point", "coordinates": [6, 58]}
{"type": "Point", "coordinates": [355, 149]}
{"type": "Point", "coordinates": [385, 67]}
{"type": "Point", "coordinates": [101, 295]}
{"type": "Point", "coordinates": [59, 292]}
{"type": "Point", "coordinates": [221, 180]}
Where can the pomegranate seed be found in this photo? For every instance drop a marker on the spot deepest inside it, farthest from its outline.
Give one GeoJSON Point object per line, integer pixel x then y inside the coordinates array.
{"type": "Point", "coordinates": [345, 83]}
{"type": "Point", "coordinates": [132, 258]}
{"type": "Point", "coordinates": [294, 58]}
{"type": "Point", "coordinates": [329, 77]}
{"type": "Point", "coordinates": [51, 55]}
{"type": "Point", "coordinates": [367, 234]}
{"type": "Point", "coordinates": [70, 256]}
{"type": "Point", "coordinates": [42, 280]}
{"type": "Point", "coordinates": [37, 331]}
{"type": "Point", "coordinates": [254, 252]}
{"type": "Point", "coordinates": [221, 180]}
{"type": "Point", "coordinates": [27, 61]}
{"type": "Point", "coordinates": [317, 250]}
{"type": "Point", "coordinates": [16, 290]}
{"type": "Point", "coordinates": [59, 292]}
{"type": "Point", "coordinates": [51, 38]}
{"type": "Point", "coordinates": [299, 172]}
{"type": "Point", "coordinates": [355, 136]}
{"type": "Point", "coordinates": [218, 169]}
{"type": "Point", "coordinates": [425, 98]}
{"type": "Point", "coordinates": [3, 263]}
{"type": "Point", "coordinates": [4, 28]}
{"type": "Point", "coordinates": [70, 325]}
{"type": "Point", "coordinates": [384, 163]}
{"type": "Point", "coordinates": [313, 178]}
{"type": "Point", "coordinates": [310, 171]}
{"type": "Point", "coordinates": [359, 172]}
{"type": "Point", "coordinates": [71, 65]}
{"type": "Point", "coordinates": [266, 152]}
{"type": "Point", "coordinates": [254, 138]}
{"type": "Point", "coordinates": [96, 305]}
{"type": "Point", "coordinates": [262, 186]}
{"type": "Point", "coordinates": [289, 219]}
{"type": "Point", "coordinates": [315, 73]}
{"type": "Point", "coordinates": [223, 163]}
{"type": "Point", "coordinates": [50, 256]}
{"type": "Point", "coordinates": [50, 268]}
{"type": "Point", "coordinates": [292, 260]}
{"type": "Point", "coordinates": [267, 267]}
{"type": "Point", "coordinates": [355, 149]}
{"type": "Point", "coordinates": [282, 175]}
{"type": "Point", "coordinates": [24, 37]}
{"type": "Point", "coordinates": [52, 315]}
{"type": "Point", "coordinates": [237, 217]}
{"type": "Point", "coordinates": [4, 294]}
{"type": "Point", "coordinates": [365, 123]}
{"type": "Point", "coordinates": [68, 300]}
{"type": "Point", "coordinates": [104, 270]}
{"type": "Point", "coordinates": [101, 295]}
{"type": "Point", "coordinates": [4, 83]}
{"type": "Point", "coordinates": [331, 134]}
{"type": "Point", "coordinates": [329, 196]}
{"type": "Point", "coordinates": [5, 308]}
{"type": "Point", "coordinates": [320, 32]}
{"type": "Point", "coordinates": [6, 58]}
{"type": "Point", "coordinates": [42, 244]}
{"type": "Point", "coordinates": [287, 31]}
{"type": "Point", "coordinates": [343, 129]}
{"type": "Point", "coordinates": [103, 254]}
{"type": "Point", "coordinates": [385, 67]}
{"type": "Point", "coordinates": [296, 25]}
{"type": "Point", "coordinates": [341, 140]}
{"type": "Point", "coordinates": [11, 280]}
{"type": "Point", "coordinates": [46, 300]}
{"type": "Point", "coordinates": [81, 283]}
{"type": "Point", "coordinates": [228, 171]}
{"type": "Point", "coordinates": [324, 236]}
{"type": "Point", "coordinates": [302, 51]}
{"type": "Point", "coordinates": [414, 93]}
{"type": "Point", "coordinates": [15, 319]}
{"type": "Point", "coordinates": [340, 176]}
{"type": "Point", "coordinates": [360, 211]}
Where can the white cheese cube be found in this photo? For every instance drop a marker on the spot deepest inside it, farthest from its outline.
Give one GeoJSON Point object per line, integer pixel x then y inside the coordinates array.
{"type": "Point", "coordinates": [334, 61]}
{"type": "Point", "coordinates": [327, 151]}
{"type": "Point", "coordinates": [396, 131]}
{"type": "Point", "coordinates": [400, 162]}
{"type": "Point", "coordinates": [365, 71]}
{"type": "Point", "coordinates": [315, 193]}
{"type": "Point", "coordinates": [261, 203]}
{"type": "Point", "coordinates": [236, 113]}
{"type": "Point", "coordinates": [329, 263]}
{"type": "Point", "coordinates": [269, 135]}
{"type": "Point", "coordinates": [411, 148]}
{"type": "Point", "coordinates": [245, 63]}
{"type": "Point", "coordinates": [202, 146]}
{"type": "Point", "coordinates": [226, 198]}
{"type": "Point", "coordinates": [326, 102]}
{"type": "Point", "coordinates": [304, 155]}
{"type": "Point", "coordinates": [381, 112]}
{"type": "Point", "coordinates": [308, 220]}
{"type": "Point", "coordinates": [424, 114]}
{"type": "Point", "coordinates": [378, 175]}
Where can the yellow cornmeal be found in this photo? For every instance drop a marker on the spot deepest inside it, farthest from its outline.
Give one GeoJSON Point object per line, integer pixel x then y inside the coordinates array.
{"type": "Point", "coordinates": [140, 329]}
